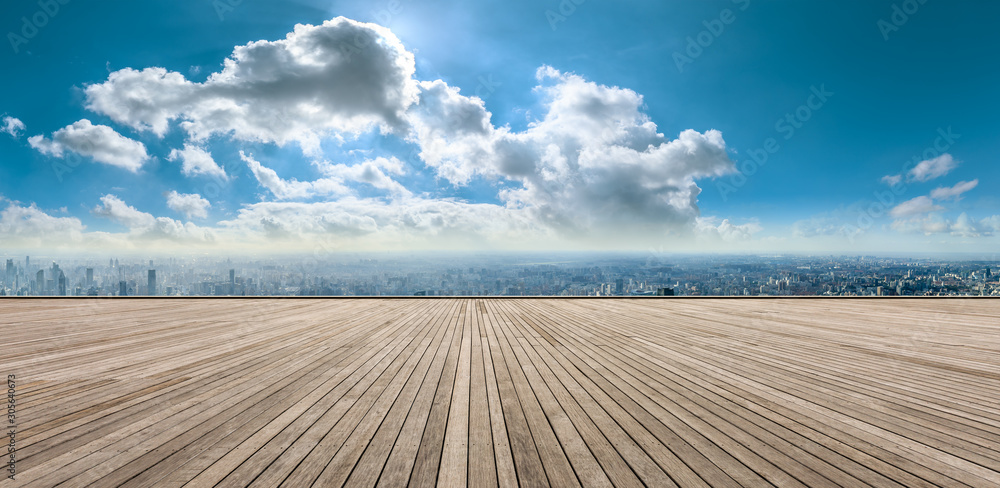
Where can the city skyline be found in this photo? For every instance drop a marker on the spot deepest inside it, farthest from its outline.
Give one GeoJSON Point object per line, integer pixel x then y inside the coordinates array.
{"type": "Point", "coordinates": [732, 126]}
{"type": "Point", "coordinates": [552, 274]}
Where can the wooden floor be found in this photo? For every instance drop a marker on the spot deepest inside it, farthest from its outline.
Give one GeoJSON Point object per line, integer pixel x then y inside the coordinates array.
{"type": "Point", "coordinates": [503, 392]}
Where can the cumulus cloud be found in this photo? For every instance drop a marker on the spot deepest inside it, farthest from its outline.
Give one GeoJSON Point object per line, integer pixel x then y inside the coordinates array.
{"type": "Point", "coordinates": [339, 77]}
{"type": "Point", "coordinates": [98, 142]}
{"type": "Point", "coordinates": [953, 192]}
{"type": "Point", "coordinates": [726, 230]}
{"type": "Point", "coordinates": [593, 163]}
{"type": "Point", "coordinates": [372, 172]}
{"type": "Point", "coordinates": [12, 126]}
{"type": "Point", "coordinates": [191, 205]}
{"type": "Point", "coordinates": [196, 161]}
{"type": "Point", "coordinates": [916, 206]}
{"type": "Point", "coordinates": [963, 226]}
{"type": "Point", "coordinates": [30, 226]}
{"type": "Point", "coordinates": [400, 224]}
{"type": "Point", "coordinates": [144, 226]}
{"type": "Point", "coordinates": [593, 167]}
{"type": "Point", "coordinates": [933, 168]}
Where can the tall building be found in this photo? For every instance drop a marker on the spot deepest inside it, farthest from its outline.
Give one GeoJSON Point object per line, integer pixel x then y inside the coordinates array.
{"type": "Point", "coordinates": [122, 289]}
{"type": "Point", "coordinates": [90, 277]}
{"type": "Point", "coordinates": [62, 284]}
{"type": "Point", "coordinates": [40, 282]}
{"type": "Point", "coordinates": [619, 286]}
{"type": "Point", "coordinates": [151, 285]}
{"type": "Point", "coordinates": [27, 263]}
{"type": "Point", "coordinates": [10, 271]}
{"type": "Point", "coordinates": [232, 277]}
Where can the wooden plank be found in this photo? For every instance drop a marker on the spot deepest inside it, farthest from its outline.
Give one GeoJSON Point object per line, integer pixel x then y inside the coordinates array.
{"type": "Point", "coordinates": [482, 458]}
{"type": "Point", "coordinates": [454, 469]}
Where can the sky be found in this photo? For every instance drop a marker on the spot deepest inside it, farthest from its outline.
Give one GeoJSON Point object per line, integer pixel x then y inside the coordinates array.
{"type": "Point", "coordinates": [224, 126]}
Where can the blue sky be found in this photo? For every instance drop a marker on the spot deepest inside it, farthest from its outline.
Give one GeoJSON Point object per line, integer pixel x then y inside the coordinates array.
{"type": "Point", "coordinates": [391, 175]}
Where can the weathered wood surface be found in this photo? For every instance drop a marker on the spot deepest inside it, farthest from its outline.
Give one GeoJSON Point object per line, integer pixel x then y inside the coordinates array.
{"type": "Point", "coordinates": [497, 392]}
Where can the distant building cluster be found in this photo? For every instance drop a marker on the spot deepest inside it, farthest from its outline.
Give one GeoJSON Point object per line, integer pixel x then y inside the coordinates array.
{"type": "Point", "coordinates": [501, 275]}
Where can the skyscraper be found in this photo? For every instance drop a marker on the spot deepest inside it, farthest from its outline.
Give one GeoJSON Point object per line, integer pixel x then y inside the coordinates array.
{"type": "Point", "coordinates": [10, 272]}
{"type": "Point", "coordinates": [151, 285]}
{"type": "Point", "coordinates": [90, 277]}
{"type": "Point", "coordinates": [62, 284]}
{"type": "Point", "coordinates": [40, 282]}
{"type": "Point", "coordinates": [122, 289]}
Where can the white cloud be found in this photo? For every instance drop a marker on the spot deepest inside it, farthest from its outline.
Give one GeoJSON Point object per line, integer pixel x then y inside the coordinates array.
{"type": "Point", "coordinates": [31, 227]}
{"type": "Point", "coordinates": [991, 224]}
{"type": "Point", "coordinates": [954, 192]}
{"type": "Point", "coordinates": [191, 205]}
{"type": "Point", "coordinates": [196, 161]}
{"type": "Point", "coordinates": [914, 207]}
{"type": "Point", "coordinates": [371, 172]}
{"type": "Point", "coordinates": [339, 77]}
{"type": "Point", "coordinates": [963, 226]}
{"type": "Point", "coordinates": [12, 126]}
{"type": "Point", "coordinates": [404, 224]}
{"type": "Point", "coordinates": [726, 230]}
{"type": "Point", "coordinates": [892, 180]}
{"type": "Point", "coordinates": [292, 189]}
{"type": "Point", "coordinates": [144, 226]}
{"type": "Point", "coordinates": [115, 209]}
{"type": "Point", "coordinates": [933, 168]}
{"type": "Point", "coordinates": [593, 164]}
{"type": "Point", "coordinates": [98, 142]}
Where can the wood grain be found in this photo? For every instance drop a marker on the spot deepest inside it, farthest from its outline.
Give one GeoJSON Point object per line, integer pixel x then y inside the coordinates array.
{"type": "Point", "coordinates": [504, 391]}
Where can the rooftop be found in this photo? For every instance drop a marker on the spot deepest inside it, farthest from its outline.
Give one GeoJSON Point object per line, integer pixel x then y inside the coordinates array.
{"type": "Point", "coordinates": [486, 392]}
